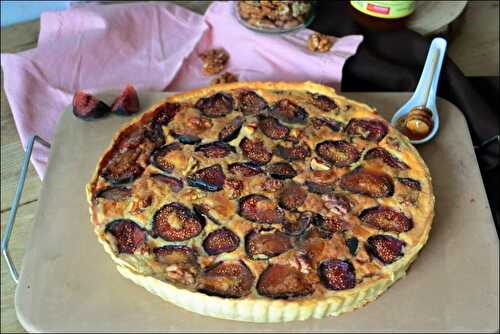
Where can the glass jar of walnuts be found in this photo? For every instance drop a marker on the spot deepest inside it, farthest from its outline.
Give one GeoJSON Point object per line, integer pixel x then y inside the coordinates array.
{"type": "Point", "coordinates": [275, 16]}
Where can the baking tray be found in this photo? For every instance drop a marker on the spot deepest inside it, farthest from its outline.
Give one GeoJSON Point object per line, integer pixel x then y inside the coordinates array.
{"type": "Point", "coordinates": [68, 282]}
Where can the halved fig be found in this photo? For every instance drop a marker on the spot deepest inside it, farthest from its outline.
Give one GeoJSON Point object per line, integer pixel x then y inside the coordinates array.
{"type": "Point", "coordinates": [175, 222]}
{"type": "Point", "coordinates": [386, 219]}
{"type": "Point", "coordinates": [264, 244]}
{"type": "Point", "coordinates": [209, 178]}
{"type": "Point", "coordinates": [167, 157]}
{"type": "Point", "coordinates": [296, 152]}
{"type": "Point", "coordinates": [298, 226]}
{"type": "Point", "coordinates": [129, 236]}
{"type": "Point", "coordinates": [385, 248]}
{"type": "Point", "coordinates": [368, 129]}
{"type": "Point", "coordinates": [87, 106]}
{"type": "Point", "coordinates": [154, 133]}
{"type": "Point", "coordinates": [272, 128]}
{"type": "Point", "coordinates": [323, 102]}
{"type": "Point", "coordinates": [338, 152]}
{"type": "Point", "coordinates": [413, 184]}
{"type": "Point", "coordinates": [127, 103]}
{"type": "Point", "coordinates": [281, 171]}
{"type": "Point", "coordinates": [115, 193]}
{"type": "Point", "coordinates": [337, 274]}
{"type": "Point", "coordinates": [217, 105]}
{"type": "Point", "coordinates": [218, 149]}
{"type": "Point", "coordinates": [337, 203]}
{"type": "Point", "coordinates": [332, 124]}
{"type": "Point", "coordinates": [186, 139]}
{"type": "Point", "coordinates": [251, 104]}
{"type": "Point", "coordinates": [229, 279]}
{"type": "Point", "coordinates": [244, 169]}
{"type": "Point", "coordinates": [260, 209]}
{"type": "Point", "coordinates": [352, 244]}
{"type": "Point", "coordinates": [289, 112]}
{"type": "Point", "coordinates": [281, 282]}
{"type": "Point", "coordinates": [386, 157]}
{"type": "Point", "coordinates": [292, 196]}
{"type": "Point", "coordinates": [123, 168]}
{"type": "Point", "coordinates": [320, 188]}
{"type": "Point", "coordinates": [221, 241]}
{"type": "Point", "coordinates": [368, 182]}
{"type": "Point", "coordinates": [255, 151]}
{"type": "Point", "coordinates": [231, 130]}
{"type": "Point", "coordinates": [175, 184]}
{"type": "Point", "coordinates": [175, 254]}
{"type": "Point", "coordinates": [331, 224]}
{"type": "Point", "coordinates": [165, 113]}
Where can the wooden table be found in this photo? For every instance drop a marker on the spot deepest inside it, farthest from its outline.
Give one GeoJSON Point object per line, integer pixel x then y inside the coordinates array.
{"type": "Point", "coordinates": [474, 48]}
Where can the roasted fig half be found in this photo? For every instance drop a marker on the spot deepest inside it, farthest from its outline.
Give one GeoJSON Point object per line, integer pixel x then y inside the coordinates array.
{"type": "Point", "coordinates": [255, 151]}
{"type": "Point", "coordinates": [209, 179]}
{"type": "Point", "coordinates": [320, 188]}
{"type": "Point", "coordinates": [385, 248]}
{"type": "Point", "coordinates": [289, 112]}
{"type": "Point", "coordinates": [368, 182]}
{"type": "Point", "coordinates": [217, 105]}
{"type": "Point", "coordinates": [386, 219]}
{"type": "Point", "coordinates": [272, 128]}
{"type": "Point", "coordinates": [87, 106]}
{"type": "Point", "coordinates": [296, 152]}
{"type": "Point", "coordinates": [127, 103]}
{"type": "Point", "coordinates": [128, 235]}
{"type": "Point", "coordinates": [386, 157]}
{"type": "Point", "coordinates": [300, 224]}
{"type": "Point", "coordinates": [331, 224]}
{"type": "Point", "coordinates": [337, 274]}
{"type": "Point", "coordinates": [264, 244]}
{"type": "Point", "coordinates": [229, 279]}
{"type": "Point", "coordinates": [244, 169]}
{"type": "Point", "coordinates": [215, 150]}
{"type": "Point", "coordinates": [323, 102]}
{"type": "Point", "coordinates": [175, 254]}
{"type": "Point", "coordinates": [282, 282]}
{"type": "Point", "coordinates": [221, 241]}
{"type": "Point", "coordinates": [250, 103]}
{"type": "Point", "coordinates": [165, 113]}
{"type": "Point", "coordinates": [175, 184]}
{"type": "Point", "coordinates": [339, 152]}
{"type": "Point", "coordinates": [168, 157]}
{"type": "Point", "coordinates": [368, 129]}
{"type": "Point", "coordinates": [175, 222]}
{"type": "Point", "coordinates": [292, 196]}
{"type": "Point", "coordinates": [332, 124]}
{"type": "Point", "coordinates": [231, 130]}
{"type": "Point", "coordinates": [281, 171]}
{"type": "Point", "coordinates": [115, 193]}
{"type": "Point", "coordinates": [260, 209]}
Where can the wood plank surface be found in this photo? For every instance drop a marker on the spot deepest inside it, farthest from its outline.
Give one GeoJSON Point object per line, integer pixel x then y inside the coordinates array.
{"type": "Point", "coordinates": [474, 48]}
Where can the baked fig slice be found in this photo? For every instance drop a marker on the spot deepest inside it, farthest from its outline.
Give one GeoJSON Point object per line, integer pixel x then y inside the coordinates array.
{"type": "Point", "coordinates": [280, 281]}
{"type": "Point", "coordinates": [332, 124]}
{"type": "Point", "coordinates": [281, 171]}
{"type": "Point", "coordinates": [289, 112]}
{"type": "Point", "coordinates": [386, 157]}
{"type": "Point", "coordinates": [175, 222]}
{"type": "Point", "coordinates": [209, 179]}
{"type": "Point", "coordinates": [296, 152]}
{"type": "Point", "coordinates": [165, 113]}
{"type": "Point", "coordinates": [368, 129]}
{"type": "Point", "coordinates": [250, 103]}
{"type": "Point", "coordinates": [338, 204]}
{"type": "Point", "coordinates": [123, 168]}
{"type": "Point", "coordinates": [260, 209]}
{"type": "Point", "coordinates": [320, 188]}
{"type": "Point", "coordinates": [385, 248]}
{"type": "Point", "coordinates": [244, 169]}
{"type": "Point", "coordinates": [272, 128]}
{"type": "Point", "coordinates": [231, 130]}
{"type": "Point", "coordinates": [115, 193]}
{"type": "Point", "coordinates": [229, 279]}
{"type": "Point", "coordinates": [368, 182]}
{"type": "Point", "coordinates": [337, 274]}
{"type": "Point", "coordinates": [292, 196]}
{"type": "Point", "coordinates": [264, 244]}
{"type": "Point", "coordinates": [323, 102]}
{"type": "Point", "coordinates": [386, 219]}
{"type": "Point", "coordinates": [255, 151]}
{"type": "Point", "coordinates": [331, 224]}
{"type": "Point", "coordinates": [168, 157]}
{"type": "Point", "coordinates": [186, 139]}
{"type": "Point", "coordinates": [352, 244]}
{"type": "Point", "coordinates": [127, 103]}
{"type": "Point", "coordinates": [217, 105]}
{"type": "Point", "coordinates": [215, 150]}
{"type": "Point", "coordinates": [128, 235]}
{"type": "Point", "coordinates": [154, 133]}
{"type": "Point", "coordinates": [411, 183]}
{"type": "Point", "coordinates": [297, 226]}
{"type": "Point", "coordinates": [87, 106]}
{"type": "Point", "coordinates": [174, 183]}
{"type": "Point", "coordinates": [337, 152]}
{"type": "Point", "coordinates": [221, 241]}
{"type": "Point", "coordinates": [175, 254]}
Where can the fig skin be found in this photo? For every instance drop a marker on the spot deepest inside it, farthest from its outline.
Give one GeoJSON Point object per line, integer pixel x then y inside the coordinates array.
{"type": "Point", "coordinates": [249, 103]}
{"type": "Point", "coordinates": [386, 219]}
{"type": "Point", "coordinates": [297, 152]}
{"type": "Point", "coordinates": [368, 182]}
{"type": "Point", "coordinates": [231, 130]}
{"type": "Point", "coordinates": [127, 103]}
{"type": "Point", "coordinates": [339, 152]}
{"type": "Point", "coordinates": [266, 244]}
{"type": "Point", "coordinates": [215, 106]}
{"type": "Point", "coordinates": [255, 151]}
{"type": "Point", "coordinates": [221, 241]}
{"type": "Point", "coordinates": [368, 129]}
{"type": "Point", "coordinates": [227, 279]}
{"type": "Point", "coordinates": [208, 179]}
{"type": "Point", "coordinates": [260, 209]}
{"type": "Point", "coordinates": [385, 248]}
{"type": "Point", "coordinates": [129, 236]}
{"type": "Point", "coordinates": [88, 107]}
{"type": "Point", "coordinates": [337, 274]}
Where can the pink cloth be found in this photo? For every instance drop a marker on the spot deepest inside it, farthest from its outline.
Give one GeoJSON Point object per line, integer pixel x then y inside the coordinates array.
{"type": "Point", "coordinates": [154, 47]}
